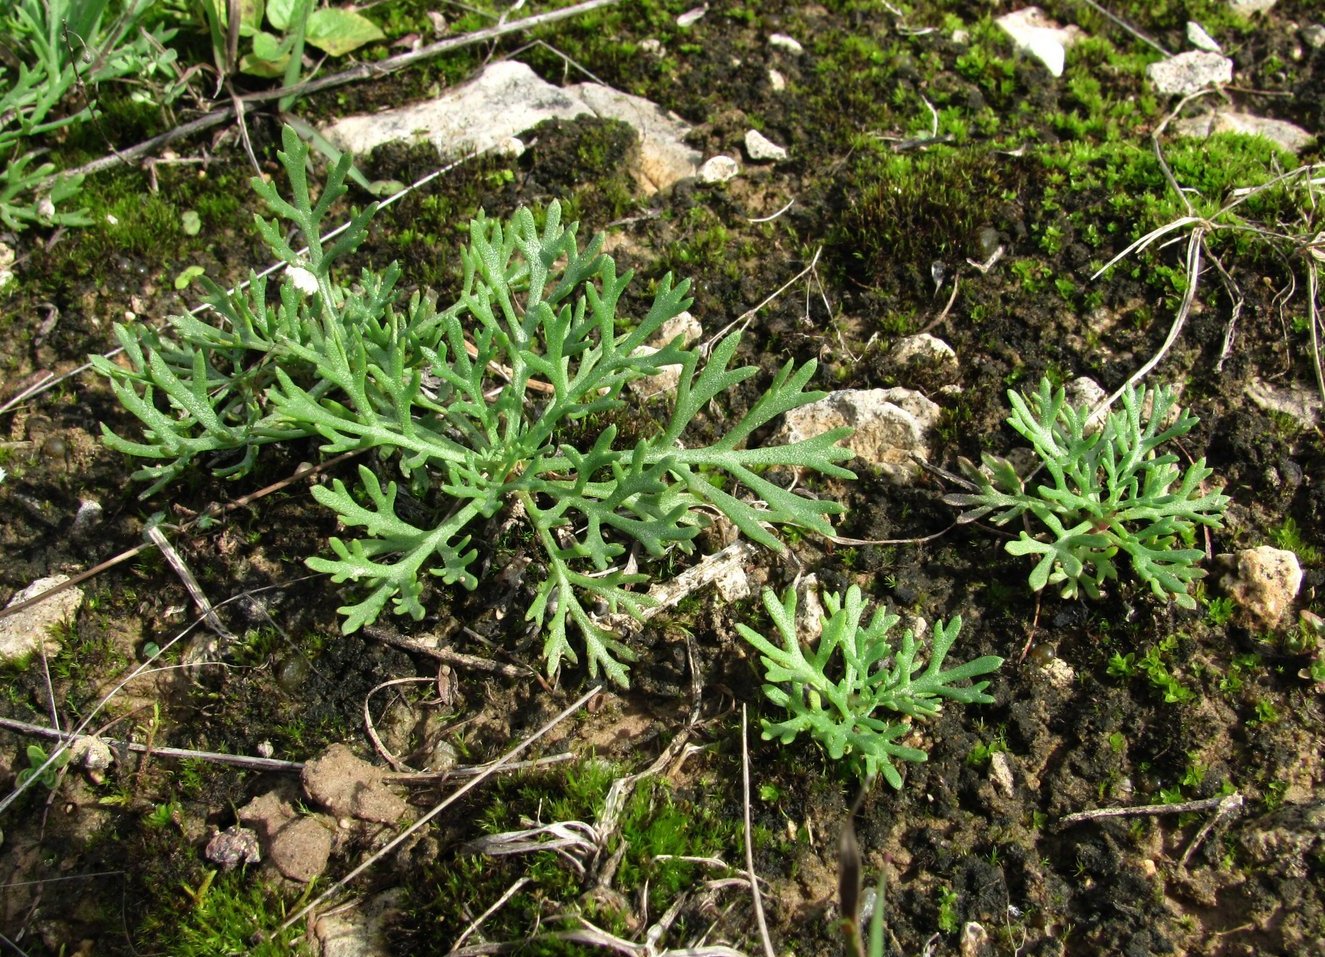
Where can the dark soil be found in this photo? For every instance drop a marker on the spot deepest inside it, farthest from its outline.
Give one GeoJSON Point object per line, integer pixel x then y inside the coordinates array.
{"type": "Point", "coordinates": [1061, 174]}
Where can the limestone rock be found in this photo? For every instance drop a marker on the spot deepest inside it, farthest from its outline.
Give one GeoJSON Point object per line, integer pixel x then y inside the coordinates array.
{"type": "Point", "coordinates": [508, 98]}
{"type": "Point", "coordinates": [1302, 403]}
{"type": "Point", "coordinates": [781, 41]}
{"type": "Point", "coordinates": [1036, 35]}
{"type": "Point", "coordinates": [1249, 8]}
{"type": "Point", "coordinates": [1288, 135]}
{"type": "Point", "coordinates": [718, 169]}
{"type": "Point", "coordinates": [1000, 774]}
{"type": "Point", "coordinates": [688, 328]}
{"type": "Point", "coordinates": [1263, 582]}
{"type": "Point", "coordinates": [890, 426]}
{"type": "Point", "coordinates": [7, 259]}
{"type": "Point", "coordinates": [360, 931]}
{"type": "Point", "coordinates": [348, 786]}
{"type": "Point", "coordinates": [1198, 38]}
{"type": "Point", "coordinates": [27, 632]}
{"type": "Point", "coordinates": [760, 147]}
{"type": "Point", "coordinates": [924, 359]}
{"type": "Point", "coordinates": [1191, 71]}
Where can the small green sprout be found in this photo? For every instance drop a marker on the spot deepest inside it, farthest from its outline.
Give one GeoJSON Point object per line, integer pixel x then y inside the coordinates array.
{"type": "Point", "coordinates": [1109, 490]}
{"type": "Point", "coordinates": [873, 676]}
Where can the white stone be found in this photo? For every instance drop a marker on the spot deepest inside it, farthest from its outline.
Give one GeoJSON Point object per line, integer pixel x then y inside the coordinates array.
{"type": "Point", "coordinates": [1084, 390]}
{"type": "Point", "coordinates": [652, 46]}
{"type": "Point", "coordinates": [1263, 583]}
{"type": "Point", "coordinates": [7, 259]}
{"type": "Point", "coordinates": [924, 350]}
{"type": "Point", "coordinates": [508, 98]}
{"type": "Point", "coordinates": [1314, 35]}
{"type": "Point", "coordinates": [760, 147]}
{"type": "Point", "coordinates": [1301, 402]}
{"type": "Point", "coordinates": [87, 519]}
{"type": "Point", "coordinates": [1198, 38]}
{"type": "Point", "coordinates": [1189, 72]}
{"type": "Point", "coordinates": [360, 931]}
{"type": "Point", "coordinates": [686, 326]}
{"type": "Point", "coordinates": [1036, 35]}
{"type": "Point", "coordinates": [891, 425]}
{"type": "Point", "coordinates": [1249, 8]}
{"type": "Point", "coordinates": [809, 611]}
{"type": "Point", "coordinates": [691, 17]}
{"type": "Point", "coordinates": [718, 169]}
{"type": "Point", "coordinates": [783, 42]}
{"type": "Point", "coordinates": [25, 633]}
{"type": "Point", "coordinates": [1000, 774]}
{"type": "Point", "coordinates": [1288, 135]}
{"type": "Point", "coordinates": [776, 80]}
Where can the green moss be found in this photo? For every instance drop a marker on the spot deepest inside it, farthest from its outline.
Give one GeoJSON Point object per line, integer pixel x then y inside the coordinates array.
{"type": "Point", "coordinates": [234, 913]}
{"type": "Point", "coordinates": [658, 826]}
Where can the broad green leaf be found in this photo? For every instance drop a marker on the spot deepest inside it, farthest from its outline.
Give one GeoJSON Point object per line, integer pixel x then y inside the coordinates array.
{"type": "Point", "coordinates": [337, 32]}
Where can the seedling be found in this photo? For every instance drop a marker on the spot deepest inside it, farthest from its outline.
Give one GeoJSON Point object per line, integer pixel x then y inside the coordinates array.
{"type": "Point", "coordinates": [1109, 490]}
{"type": "Point", "coordinates": [841, 712]}
{"type": "Point", "coordinates": [493, 406]}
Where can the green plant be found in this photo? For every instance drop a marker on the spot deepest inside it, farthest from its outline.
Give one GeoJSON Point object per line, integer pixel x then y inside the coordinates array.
{"type": "Point", "coordinates": [873, 675]}
{"type": "Point", "coordinates": [495, 404]}
{"type": "Point", "coordinates": [1111, 490]}
{"type": "Point", "coordinates": [41, 768]}
{"type": "Point", "coordinates": [333, 30]}
{"type": "Point", "coordinates": [58, 48]}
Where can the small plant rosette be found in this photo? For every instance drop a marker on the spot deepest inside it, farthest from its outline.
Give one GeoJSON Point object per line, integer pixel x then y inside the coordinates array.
{"type": "Point", "coordinates": [856, 691]}
{"type": "Point", "coordinates": [1111, 491]}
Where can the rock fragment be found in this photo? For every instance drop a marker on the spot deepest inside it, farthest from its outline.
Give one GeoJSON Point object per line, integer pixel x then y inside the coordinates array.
{"type": "Point", "coordinates": [1288, 135]}
{"type": "Point", "coordinates": [1300, 402]}
{"type": "Point", "coordinates": [1263, 582]}
{"type": "Point", "coordinates": [24, 633]}
{"type": "Point", "coordinates": [508, 98]}
{"type": "Point", "coordinates": [1036, 35]}
{"type": "Point", "coordinates": [361, 931]}
{"type": "Point", "coordinates": [234, 846]}
{"type": "Point", "coordinates": [926, 356]}
{"type": "Point", "coordinates": [760, 147]}
{"type": "Point", "coordinates": [1189, 72]}
{"type": "Point", "coordinates": [718, 169]}
{"type": "Point", "coordinates": [891, 426]}
{"type": "Point", "coordinates": [1198, 38]}
{"type": "Point", "coordinates": [782, 41]}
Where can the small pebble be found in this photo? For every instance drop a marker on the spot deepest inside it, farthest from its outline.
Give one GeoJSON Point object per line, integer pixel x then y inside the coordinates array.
{"type": "Point", "coordinates": [784, 42]}
{"type": "Point", "coordinates": [718, 169]}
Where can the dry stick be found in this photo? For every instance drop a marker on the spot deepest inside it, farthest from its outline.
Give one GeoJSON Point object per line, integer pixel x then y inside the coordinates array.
{"type": "Point", "coordinates": [389, 636]}
{"type": "Point", "coordinates": [361, 71]}
{"type": "Point", "coordinates": [1126, 26]}
{"type": "Point", "coordinates": [211, 512]}
{"type": "Point", "coordinates": [181, 569]}
{"type": "Point", "coordinates": [1225, 804]}
{"type": "Point", "coordinates": [215, 757]}
{"type": "Point", "coordinates": [749, 842]}
{"type": "Point", "coordinates": [460, 792]}
{"type": "Point", "coordinates": [496, 906]}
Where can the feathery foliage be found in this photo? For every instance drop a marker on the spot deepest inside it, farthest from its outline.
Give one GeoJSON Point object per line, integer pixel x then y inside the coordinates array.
{"type": "Point", "coordinates": [1110, 490]}
{"type": "Point", "coordinates": [871, 675]}
{"type": "Point", "coordinates": [480, 408]}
